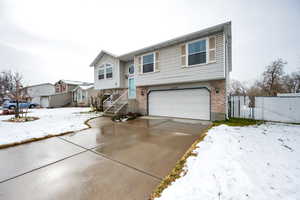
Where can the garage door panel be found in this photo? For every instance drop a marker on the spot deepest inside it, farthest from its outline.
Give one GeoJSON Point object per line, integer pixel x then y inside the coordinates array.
{"type": "Point", "coordinates": [187, 103]}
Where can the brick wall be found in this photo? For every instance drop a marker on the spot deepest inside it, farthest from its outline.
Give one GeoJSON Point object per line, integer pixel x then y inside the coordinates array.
{"type": "Point", "coordinates": [218, 96]}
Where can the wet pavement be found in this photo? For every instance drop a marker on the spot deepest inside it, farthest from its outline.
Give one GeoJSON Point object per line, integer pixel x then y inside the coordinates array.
{"type": "Point", "coordinates": [124, 160]}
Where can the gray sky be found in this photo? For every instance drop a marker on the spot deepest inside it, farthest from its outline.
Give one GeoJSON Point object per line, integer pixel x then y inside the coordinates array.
{"type": "Point", "coordinates": [58, 39]}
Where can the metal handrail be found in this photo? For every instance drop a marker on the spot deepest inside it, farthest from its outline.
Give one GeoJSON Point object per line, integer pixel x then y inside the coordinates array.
{"type": "Point", "coordinates": [125, 93]}
{"type": "Point", "coordinates": [106, 99]}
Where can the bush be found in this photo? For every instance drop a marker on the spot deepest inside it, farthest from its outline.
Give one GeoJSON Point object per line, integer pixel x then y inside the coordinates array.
{"type": "Point", "coordinates": [125, 117]}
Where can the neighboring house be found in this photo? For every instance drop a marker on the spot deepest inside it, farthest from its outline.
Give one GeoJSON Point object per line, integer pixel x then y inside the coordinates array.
{"type": "Point", "coordinates": [82, 95]}
{"type": "Point", "coordinates": [185, 77]}
{"type": "Point", "coordinates": [39, 94]}
{"type": "Point", "coordinates": [64, 92]}
{"type": "Point", "coordinates": [62, 86]}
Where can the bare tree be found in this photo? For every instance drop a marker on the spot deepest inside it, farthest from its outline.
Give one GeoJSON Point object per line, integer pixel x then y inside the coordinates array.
{"type": "Point", "coordinates": [237, 88]}
{"type": "Point", "coordinates": [15, 91]}
{"type": "Point", "coordinates": [6, 83]}
{"type": "Point", "coordinates": [273, 77]}
{"type": "Point", "coordinates": [292, 82]}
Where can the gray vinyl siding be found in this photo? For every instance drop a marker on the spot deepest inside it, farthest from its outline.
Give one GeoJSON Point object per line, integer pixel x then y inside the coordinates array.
{"type": "Point", "coordinates": [171, 71]}
{"type": "Point", "coordinates": [107, 83]}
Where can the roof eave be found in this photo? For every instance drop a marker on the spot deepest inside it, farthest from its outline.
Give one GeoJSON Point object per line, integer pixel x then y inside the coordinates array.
{"type": "Point", "coordinates": [177, 40]}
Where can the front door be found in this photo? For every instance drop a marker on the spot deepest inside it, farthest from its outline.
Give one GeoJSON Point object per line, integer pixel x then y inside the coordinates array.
{"type": "Point", "coordinates": [131, 83]}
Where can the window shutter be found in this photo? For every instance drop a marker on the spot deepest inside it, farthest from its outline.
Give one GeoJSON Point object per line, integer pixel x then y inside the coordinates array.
{"type": "Point", "coordinates": [212, 49]}
{"type": "Point", "coordinates": [157, 61]}
{"type": "Point", "coordinates": [183, 55]}
{"type": "Point", "coordinates": [138, 64]}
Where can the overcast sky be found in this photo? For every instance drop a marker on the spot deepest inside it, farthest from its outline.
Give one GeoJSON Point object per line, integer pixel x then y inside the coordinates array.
{"type": "Point", "coordinates": [58, 39]}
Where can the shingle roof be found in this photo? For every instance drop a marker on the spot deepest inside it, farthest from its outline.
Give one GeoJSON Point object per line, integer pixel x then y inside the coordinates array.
{"type": "Point", "coordinates": [202, 33]}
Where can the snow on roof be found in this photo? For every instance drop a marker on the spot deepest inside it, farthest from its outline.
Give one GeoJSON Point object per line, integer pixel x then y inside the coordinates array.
{"type": "Point", "coordinates": [75, 82]}
{"type": "Point", "coordinates": [84, 87]}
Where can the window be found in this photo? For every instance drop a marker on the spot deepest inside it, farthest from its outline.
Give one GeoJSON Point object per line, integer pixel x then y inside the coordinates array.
{"type": "Point", "coordinates": [197, 52]}
{"type": "Point", "coordinates": [131, 69]}
{"type": "Point", "coordinates": [101, 74]}
{"type": "Point", "coordinates": [109, 72]}
{"type": "Point", "coordinates": [148, 63]}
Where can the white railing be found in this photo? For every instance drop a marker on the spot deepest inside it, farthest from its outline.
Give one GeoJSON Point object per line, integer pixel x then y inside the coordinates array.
{"type": "Point", "coordinates": [125, 94]}
{"type": "Point", "coordinates": [106, 100]}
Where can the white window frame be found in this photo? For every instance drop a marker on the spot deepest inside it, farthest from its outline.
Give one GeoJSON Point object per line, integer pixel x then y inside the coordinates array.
{"type": "Point", "coordinates": [101, 67]}
{"type": "Point", "coordinates": [187, 52]}
{"type": "Point", "coordinates": [104, 67]}
{"type": "Point", "coordinates": [142, 64]}
{"type": "Point", "coordinates": [112, 71]}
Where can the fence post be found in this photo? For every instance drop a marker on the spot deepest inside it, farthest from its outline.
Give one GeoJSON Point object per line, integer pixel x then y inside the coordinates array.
{"type": "Point", "coordinates": [239, 107]}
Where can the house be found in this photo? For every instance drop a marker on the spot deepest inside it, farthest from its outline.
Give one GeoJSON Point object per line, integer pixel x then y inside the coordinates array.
{"type": "Point", "coordinates": [39, 93]}
{"type": "Point", "coordinates": [64, 93]}
{"type": "Point", "coordinates": [82, 95]}
{"type": "Point", "coordinates": [62, 86]}
{"type": "Point", "coordinates": [185, 77]}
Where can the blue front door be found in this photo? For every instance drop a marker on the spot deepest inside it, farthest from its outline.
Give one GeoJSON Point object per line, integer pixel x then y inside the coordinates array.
{"type": "Point", "coordinates": [131, 88]}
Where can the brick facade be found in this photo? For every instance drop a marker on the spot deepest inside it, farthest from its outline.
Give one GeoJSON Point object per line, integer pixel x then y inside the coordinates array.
{"type": "Point", "coordinates": [217, 92]}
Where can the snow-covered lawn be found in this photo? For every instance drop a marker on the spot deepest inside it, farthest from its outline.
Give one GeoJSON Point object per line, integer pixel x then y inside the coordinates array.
{"type": "Point", "coordinates": [237, 163]}
{"type": "Point", "coordinates": [51, 122]}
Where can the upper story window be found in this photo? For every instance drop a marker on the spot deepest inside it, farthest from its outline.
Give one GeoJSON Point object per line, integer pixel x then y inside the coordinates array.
{"type": "Point", "coordinates": [105, 72]}
{"type": "Point", "coordinates": [109, 71]}
{"type": "Point", "coordinates": [131, 69]}
{"type": "Point", "coordinates": [197, 52]}
{"type": "Point", "coordinates": [101, 73]}
{"type": "Point", "coordinates": [148, 63]}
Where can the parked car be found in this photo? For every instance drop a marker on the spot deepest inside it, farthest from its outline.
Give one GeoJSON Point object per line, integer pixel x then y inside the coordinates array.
{"type": "Point", "coordinates": [11, 104]}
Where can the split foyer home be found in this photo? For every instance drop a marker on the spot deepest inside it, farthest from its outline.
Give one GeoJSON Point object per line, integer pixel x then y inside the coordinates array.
{"type": "Point", "coordinates": [82, 95]}
{"type": "Point", "coordinates": [185, 77]}
{"type": "Point", "coordinates": [64, 93]}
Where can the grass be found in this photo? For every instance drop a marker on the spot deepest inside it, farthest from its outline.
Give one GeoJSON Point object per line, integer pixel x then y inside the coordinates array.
{"type": "Point", "coordinates": [238, 122]}
{"type": "Point", "coordinates": [21, 119]}
{"type": "Point", "coordinates": [178, 170]}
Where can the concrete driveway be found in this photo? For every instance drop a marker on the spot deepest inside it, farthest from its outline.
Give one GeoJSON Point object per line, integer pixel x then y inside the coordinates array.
{"type": "Point", "coordinates": [110, 161]}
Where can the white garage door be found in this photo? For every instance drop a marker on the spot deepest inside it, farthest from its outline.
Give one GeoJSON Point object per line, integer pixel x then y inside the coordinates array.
{"type": "Point", "coordinates": [187, 103]}
{"type": "Point", "coordinates": [44, 102]}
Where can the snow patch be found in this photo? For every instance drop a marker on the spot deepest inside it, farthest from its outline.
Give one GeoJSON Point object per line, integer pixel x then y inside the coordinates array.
{"type": "Point", "coordinates": [51, 122]}
{"type": "Point", "coordinates": [237, 163]}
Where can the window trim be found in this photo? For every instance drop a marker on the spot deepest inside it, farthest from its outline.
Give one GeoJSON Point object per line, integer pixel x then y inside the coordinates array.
{"type": "Point", "coordinates": [104, 67]}
{"type": "Point", "coordinates": [142, 64]}
{"type": "Point", "coordinates": [101, 67]}
{"type": "Point", "coordinates": [112, 73]}
{"type": "Point", "coordinates": [206, 50]}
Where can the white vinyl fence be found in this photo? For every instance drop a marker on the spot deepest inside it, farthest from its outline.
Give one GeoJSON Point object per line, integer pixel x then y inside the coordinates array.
{"type": "Point", "coordinates": [281, 109]}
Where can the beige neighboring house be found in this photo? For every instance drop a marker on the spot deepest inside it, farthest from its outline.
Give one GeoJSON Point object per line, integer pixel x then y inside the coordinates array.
{"type": "Point", "coordinates": [64, 93]}
{"type": "Point", "coordinates": [39, 94]}
{"type": "Point", "coordinates": [184, 77]}
{"type": "Point", "coordinates": [82, 95]}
